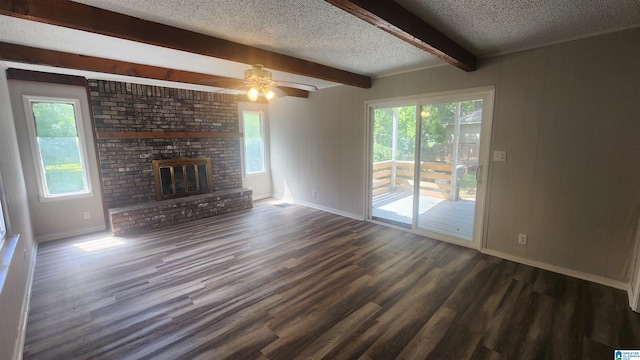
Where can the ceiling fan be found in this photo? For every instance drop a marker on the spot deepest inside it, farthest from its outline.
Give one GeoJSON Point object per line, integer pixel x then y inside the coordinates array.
{"type": "Point", "coordinates": [259, 82]}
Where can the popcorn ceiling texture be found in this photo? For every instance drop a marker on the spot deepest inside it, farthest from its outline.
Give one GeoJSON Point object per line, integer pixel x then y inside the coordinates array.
{"type": "Point", "coordinates": [125, 164]}
{"type": "Point", "coordinates": [318, 31]}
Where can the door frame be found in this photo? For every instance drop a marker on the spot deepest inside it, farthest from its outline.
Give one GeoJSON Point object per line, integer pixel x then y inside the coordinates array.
{"type": "Point", "coordinates": [487, 94]}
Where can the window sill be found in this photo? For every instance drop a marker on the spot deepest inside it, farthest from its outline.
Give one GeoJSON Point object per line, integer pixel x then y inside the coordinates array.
{"type": "Point", "coordinates": [256, 174]}
{"type": "Point", "coordinates": [66, 197]}
{"type": "Point", "coordinates": [6, 254]}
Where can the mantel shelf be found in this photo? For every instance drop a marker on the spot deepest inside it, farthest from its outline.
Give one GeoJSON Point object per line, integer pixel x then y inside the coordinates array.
{"type": "Point", "coordinates": [165, 135]}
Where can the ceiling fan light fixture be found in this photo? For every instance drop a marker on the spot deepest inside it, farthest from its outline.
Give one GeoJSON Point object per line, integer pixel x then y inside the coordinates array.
{"type": "Point", "coordinates": [253, 94]}
{"type": "Point", "coordinates": [268, 93]}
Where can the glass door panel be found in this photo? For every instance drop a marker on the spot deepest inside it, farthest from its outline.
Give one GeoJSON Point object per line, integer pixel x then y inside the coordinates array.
{"type": "Point", "coordinates": [449, 158]}
{"type": "Point", "coordinates": [392, 180]}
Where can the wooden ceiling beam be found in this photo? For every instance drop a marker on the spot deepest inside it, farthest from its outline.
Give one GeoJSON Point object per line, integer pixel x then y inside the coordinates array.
{"type": "Point", "coordinates": [402, 23]}
{"type": "Point", "coordinates": [30, 55]}
{"type": "Point", "coordinates": [87, 18]}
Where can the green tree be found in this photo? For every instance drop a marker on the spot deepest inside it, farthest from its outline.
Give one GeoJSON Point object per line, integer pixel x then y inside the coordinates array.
{"type": "Point", "coordinates": [58, 141]}
{"type": "Point", "coordinates": [55, 119]}
{"type": "Point", "coordinates": [253, 143]}
{"type": "Point", "coordinates": [57, 133]}
{"type": "Point", "coordinates": [383, 133]}
{"type": "Point", "coordinates": [435, 119]}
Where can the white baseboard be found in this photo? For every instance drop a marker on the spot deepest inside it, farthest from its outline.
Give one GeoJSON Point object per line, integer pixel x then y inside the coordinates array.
{"type": "Point", "coordinates": [261, 197]}
{"type": "Point", "coordinates": [26, 305]}
{"type": "Point", "coordinates": [320, 207]}
{"type": "Point", "coordinates": [63, 235]}
{"type": "Point", "coordinates": [560, 270]}
{"type": "Point", "coordinates": [634, 294]}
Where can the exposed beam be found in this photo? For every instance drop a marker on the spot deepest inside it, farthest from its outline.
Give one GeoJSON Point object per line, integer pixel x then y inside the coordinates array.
{"type": "Point", "coordinates": [402, 23]}
{"type": "Point", "coordinates": [30, 55]}
{"type": "Point", "coordinates": [87, 18]}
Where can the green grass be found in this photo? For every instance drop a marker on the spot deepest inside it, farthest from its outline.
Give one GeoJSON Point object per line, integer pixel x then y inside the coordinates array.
{"type": "Point", "coordinates": [70, 167]}
{"type": "Point", "coordinates": [64, 178]}
{"type": "Point", "coordinates": [468, 181]}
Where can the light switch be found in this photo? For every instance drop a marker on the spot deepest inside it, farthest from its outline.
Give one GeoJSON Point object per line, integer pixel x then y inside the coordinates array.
{"type": "Point", "coordinates": [499, 155]}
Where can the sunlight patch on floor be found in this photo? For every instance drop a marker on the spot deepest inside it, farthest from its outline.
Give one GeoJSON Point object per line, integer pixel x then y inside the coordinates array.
{"type": "Point", "coordinates": [99, 244]}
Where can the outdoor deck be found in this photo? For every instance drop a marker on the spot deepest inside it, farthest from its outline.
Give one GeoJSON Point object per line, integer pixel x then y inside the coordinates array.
{"type": "Point", "coordinates": [452, 218]}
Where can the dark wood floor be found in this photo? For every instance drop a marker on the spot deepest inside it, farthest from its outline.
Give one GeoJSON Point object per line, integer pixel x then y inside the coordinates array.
{"type": "Point", "coordinates": [296, 283]}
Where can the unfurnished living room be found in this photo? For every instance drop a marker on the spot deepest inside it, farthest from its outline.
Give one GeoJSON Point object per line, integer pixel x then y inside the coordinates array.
{"type": "Point", "coordinates": [307, 179]}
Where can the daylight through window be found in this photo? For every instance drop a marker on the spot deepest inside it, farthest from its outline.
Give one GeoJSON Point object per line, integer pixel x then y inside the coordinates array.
{"type": "Point", "coordinates": [57, 128]}
{"type": "Point", "coordinates": [3, 226]}
{"type": "Point", "coordinates": [253, 142]}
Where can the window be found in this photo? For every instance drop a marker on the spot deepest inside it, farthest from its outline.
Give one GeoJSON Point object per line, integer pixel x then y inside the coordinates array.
{"type": "Point", "coordinates": [254, 154]}
{"type": "Point", "coordinates": [3, 226]}
{"type": "Point", "coordinates": [3, 223]}
{"type": "Point", "coordinates": [55, 129]}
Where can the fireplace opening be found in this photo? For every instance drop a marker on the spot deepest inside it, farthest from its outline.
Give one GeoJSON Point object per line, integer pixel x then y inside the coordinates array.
{"type": "Point", "coordinates": [182, 177]}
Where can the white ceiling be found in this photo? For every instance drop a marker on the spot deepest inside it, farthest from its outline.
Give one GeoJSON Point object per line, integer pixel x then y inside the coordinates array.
{"type": "Point", "coordinates": [317, 31]}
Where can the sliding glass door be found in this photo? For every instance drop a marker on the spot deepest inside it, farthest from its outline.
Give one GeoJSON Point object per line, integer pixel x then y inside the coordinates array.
{"type": "Point", "coordinates": [394, 144]}
{"type": "Point", "coordinates": [427, 164]}
{"type": "Point", "coordinates": [449, 160]}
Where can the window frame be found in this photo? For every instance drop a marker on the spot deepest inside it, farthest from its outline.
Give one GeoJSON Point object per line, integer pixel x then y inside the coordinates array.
{"type": "Point", "coordinates": [4, 222]}
{"type": "Point", "coordinates": [44, 195]}
{"type": "Point", "coordinates": [263, 146]}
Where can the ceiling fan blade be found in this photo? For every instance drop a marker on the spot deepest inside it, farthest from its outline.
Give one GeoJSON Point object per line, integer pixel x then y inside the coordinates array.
{"type": "Point", "coordinates": [296, 85]}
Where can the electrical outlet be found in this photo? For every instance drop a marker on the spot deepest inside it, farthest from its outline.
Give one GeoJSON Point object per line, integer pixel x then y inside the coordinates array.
{"type": "Point", "coordinates": [522, 239]}
{"type": "Point", "coordinates": [87, 215]}
{"type": "Point", "coordinates": [500, 155]}
{"type": "Point", "coordinates": [313, 194]}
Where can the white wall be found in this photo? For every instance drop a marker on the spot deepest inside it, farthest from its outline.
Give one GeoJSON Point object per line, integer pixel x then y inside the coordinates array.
{"type": "Point", "coordinates": [569, 117]}
{"type": "Point", "coordinates": [13, 296]}
{"type": "Point", "coordinates": [49, 222]}
{"type": "Point", "coordinates": [318, 144]}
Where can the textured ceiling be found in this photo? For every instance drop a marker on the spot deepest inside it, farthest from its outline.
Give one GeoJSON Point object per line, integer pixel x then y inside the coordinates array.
{"type": "Point", "coordinates": [308, 29]}
{"type": "Point", "coordinates": [317, 31]}
{"type": "Point", "coordinates": [493, 27]}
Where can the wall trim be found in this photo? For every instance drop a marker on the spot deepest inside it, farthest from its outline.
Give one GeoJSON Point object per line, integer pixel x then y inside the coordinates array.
{"type": "Point", "coordinates": [45, 77]}
{"type": "Point", "coordinates": [560, 270]}
{"type": "Point", "coordinates": [26, 306]}
{"type": "Point", "coordinates": [634, 284]}
{"type": "Point", "coordinates": [67, 234]}
{"type": "Point", "coordinates": [261, 197]}
{"type": "Point", "coordinates": [634, 299]}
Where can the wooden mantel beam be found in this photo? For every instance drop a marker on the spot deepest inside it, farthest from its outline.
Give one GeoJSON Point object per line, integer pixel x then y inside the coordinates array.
{"type": "Point", "coordinates": [25, 54]}
{"type": "Point", "coordinates": [402, 23]}
{"type": "Point", "coordinates": [87, 18]}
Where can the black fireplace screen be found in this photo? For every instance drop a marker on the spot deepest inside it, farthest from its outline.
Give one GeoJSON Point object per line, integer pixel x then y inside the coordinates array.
{"type": "Point", "coordinates": [182, 177]}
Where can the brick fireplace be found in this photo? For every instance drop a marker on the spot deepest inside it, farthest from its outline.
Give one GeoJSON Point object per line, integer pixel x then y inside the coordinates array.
{"type": "Point", "coordinates": [137, 124]}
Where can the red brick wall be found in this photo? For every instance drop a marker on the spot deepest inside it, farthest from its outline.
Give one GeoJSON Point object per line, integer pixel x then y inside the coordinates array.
{"type": "Point", "coordinates": [125, 164]}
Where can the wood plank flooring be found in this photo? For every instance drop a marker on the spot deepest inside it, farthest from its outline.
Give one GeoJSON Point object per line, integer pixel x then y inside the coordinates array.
{"type": "Point", "coordinates": [289, 282]}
